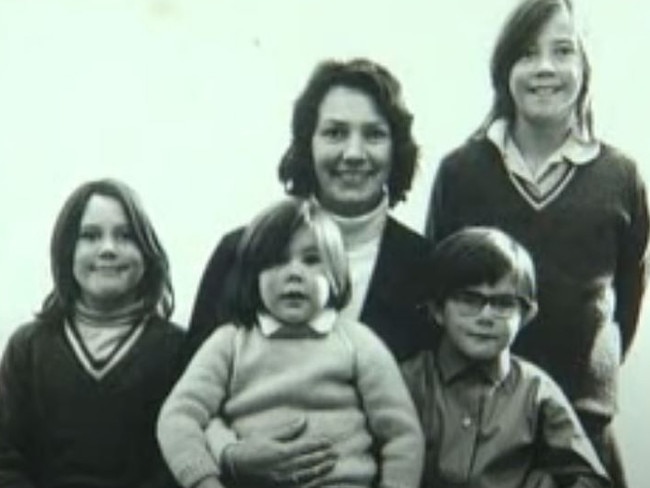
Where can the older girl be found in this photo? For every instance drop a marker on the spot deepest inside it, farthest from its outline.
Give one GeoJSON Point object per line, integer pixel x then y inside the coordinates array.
{"type": "Point", "coordinates": [290, 353]}
{"type": "Point", "coordinates": [82, 383]}
{"type": "Point", "coordinates": [536, 170]}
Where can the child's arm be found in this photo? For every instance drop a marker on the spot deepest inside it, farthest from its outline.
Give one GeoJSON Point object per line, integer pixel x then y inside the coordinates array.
{"type": "Point", "coordinates": [565, 453]}
{"type": "Point", "coordinates": [388, 406]}
{"type": "Point", "coordinates": [14, 415]}
{"type": "Point", "coordinates": [631, 268]}
{"type": "Point", "coordinates": [193, 402]}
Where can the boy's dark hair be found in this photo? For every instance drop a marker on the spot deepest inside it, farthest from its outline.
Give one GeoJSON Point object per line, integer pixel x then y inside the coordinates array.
{"type": "Point", "coordinates": [519, 31]}
{"type": "Point", "coordinates": [296, 169]}
{"type": "Point", "coordinates": [265, 243]}
{"type": "Point", "coordinates": [478, 255]}
{"type": "Point", "coordinates": [155, 287]}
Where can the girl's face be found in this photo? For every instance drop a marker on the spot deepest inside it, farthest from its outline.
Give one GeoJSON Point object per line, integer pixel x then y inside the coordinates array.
{"type": "Point", "coordinates": [482, 321]}
{"type": "Point", "coordinates": [546, 81]}
{"type": "Point", "coordinates": [352, 151]}
{"type": "Point", "coordinates": [107, 263]}
{"type": "Point", "coordinates": [296, 289]}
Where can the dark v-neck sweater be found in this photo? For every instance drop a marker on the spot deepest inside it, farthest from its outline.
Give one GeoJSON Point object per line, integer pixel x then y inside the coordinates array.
{"type": "Point", "coordinates": [588, 243]}
{"type": "Point", "coordinates": [60, 427]}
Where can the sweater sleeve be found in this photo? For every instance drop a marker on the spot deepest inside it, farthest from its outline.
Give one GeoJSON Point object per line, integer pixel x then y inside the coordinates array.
{"type": "Point", "coordinates": [196, 399]}
{"type": "Point", "coordinates": [565, 452]}
{"type": "Point", "coordinates": [210, 305]}
{"type": "Point", "coordinates": [15, 408]}
{"type": "Point", "coordinates": [631, 269]}
{"type": "Point", "coordinates": [389, 409]}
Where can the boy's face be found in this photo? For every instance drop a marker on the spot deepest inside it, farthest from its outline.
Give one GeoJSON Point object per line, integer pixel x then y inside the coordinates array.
{"type": "Point", "coordinates": [482, 321]}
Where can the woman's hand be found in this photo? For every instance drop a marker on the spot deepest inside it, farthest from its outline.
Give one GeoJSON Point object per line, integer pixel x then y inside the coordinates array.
{"type": "Point", "coordinates": [280, 458]}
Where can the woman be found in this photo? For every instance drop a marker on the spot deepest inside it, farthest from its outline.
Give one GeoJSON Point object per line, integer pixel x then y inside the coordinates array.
{"type": "Point", "coordinates": [353, 152]}
{"type": "Point", "coordinates": [81, 385]}
{"type": "Point", "coordinates": [536, 170]}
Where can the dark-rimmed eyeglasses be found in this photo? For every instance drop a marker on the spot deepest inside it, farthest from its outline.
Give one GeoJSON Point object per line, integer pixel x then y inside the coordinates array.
{"type": "Point", "coordinates": [472, 302]}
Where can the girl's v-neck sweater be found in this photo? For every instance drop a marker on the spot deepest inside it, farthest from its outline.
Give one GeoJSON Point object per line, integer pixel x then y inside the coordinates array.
{"type": "Point", "coordinates": [61, 427]}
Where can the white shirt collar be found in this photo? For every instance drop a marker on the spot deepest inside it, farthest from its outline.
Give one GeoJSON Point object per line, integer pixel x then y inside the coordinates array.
{"type": "Point", "coordinates": [576, 148]}
{"type": "Point", "coordinates": [322, 324]}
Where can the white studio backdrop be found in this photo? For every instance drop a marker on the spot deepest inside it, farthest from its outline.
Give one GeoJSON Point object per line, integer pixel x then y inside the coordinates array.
{"type": "Point", "coordinates": [189, 102]}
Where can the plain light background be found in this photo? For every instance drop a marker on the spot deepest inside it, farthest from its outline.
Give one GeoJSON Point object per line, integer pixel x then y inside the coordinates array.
{"type": "Point", "coordinates": [189, 102]}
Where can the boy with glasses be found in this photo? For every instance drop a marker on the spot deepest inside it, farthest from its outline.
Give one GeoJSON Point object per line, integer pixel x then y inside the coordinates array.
{"type": "Point", "coordinates": [491, 420]}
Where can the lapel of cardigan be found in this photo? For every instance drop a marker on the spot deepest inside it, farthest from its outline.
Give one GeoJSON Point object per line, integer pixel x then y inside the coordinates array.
{"type": "Point", "coordinates": [387, 268]}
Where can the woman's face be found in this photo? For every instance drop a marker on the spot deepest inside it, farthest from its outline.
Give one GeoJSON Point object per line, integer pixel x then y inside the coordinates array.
{"type": "Point", "coordinates": [546, 81]}
{"type": "Point", "coordinates": [107, 262]}
{"type": "Point", "coordinates": [352, 150]}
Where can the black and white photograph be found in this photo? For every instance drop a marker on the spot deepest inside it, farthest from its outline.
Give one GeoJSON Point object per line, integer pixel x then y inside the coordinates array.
{"type": "Point", "coordinates": [309, 243]}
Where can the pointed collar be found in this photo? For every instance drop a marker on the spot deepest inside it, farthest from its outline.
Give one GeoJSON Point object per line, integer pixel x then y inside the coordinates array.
{"type": "Point", "coordinates": [453, 365]}
{"type": "Point", "coordinates": [576, 148]}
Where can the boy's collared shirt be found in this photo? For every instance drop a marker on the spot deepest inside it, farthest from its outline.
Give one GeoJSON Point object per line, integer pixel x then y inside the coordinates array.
{"type": "Point", "coordinates": [541, 186]}
{"type": "Point", "coordinates": [496, 427]}
{"type": "Point", "coordinates": [454, 366]}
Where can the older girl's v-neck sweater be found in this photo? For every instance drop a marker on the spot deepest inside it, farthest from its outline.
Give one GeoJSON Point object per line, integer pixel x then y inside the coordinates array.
{"type": "Point", "coordinates": [60, 427]}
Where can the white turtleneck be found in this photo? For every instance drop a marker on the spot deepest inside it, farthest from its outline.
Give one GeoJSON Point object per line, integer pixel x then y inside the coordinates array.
{"type": "Point", "coordinates": [361, 237]}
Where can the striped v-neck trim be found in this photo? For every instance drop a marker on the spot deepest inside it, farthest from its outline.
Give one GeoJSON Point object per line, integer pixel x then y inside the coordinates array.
{"type": "Point", "coordinates": [99, 368]}
{"type": "Point", "coordinates": [531, 192]}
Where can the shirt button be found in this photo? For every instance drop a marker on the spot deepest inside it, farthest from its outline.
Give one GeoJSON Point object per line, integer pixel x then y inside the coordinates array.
{"type": "Point", "coordinates": [466, 422]}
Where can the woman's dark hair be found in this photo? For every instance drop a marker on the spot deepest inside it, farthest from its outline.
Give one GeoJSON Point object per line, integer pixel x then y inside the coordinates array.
{"type": "Point", "coordinates": [478, 255]}
{"type": "Point", "coordinates": [264, 245]}
{"type": "Point", "coordinates": [155, 287]}
{"type": "Point", "coordinates": [296, 170]}
{"type": "Point", "coordinates": [520, 31]}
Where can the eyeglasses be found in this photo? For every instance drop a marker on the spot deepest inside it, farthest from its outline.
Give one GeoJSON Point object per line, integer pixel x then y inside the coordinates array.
{"type": "Point", "coordinates": [471, 302]}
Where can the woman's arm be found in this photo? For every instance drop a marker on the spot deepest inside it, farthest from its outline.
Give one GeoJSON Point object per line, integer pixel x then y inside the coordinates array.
{"type": "Point", "coordinates": [210, 308]}
{"type": "Point", "coordinates": [391, 415]}
{"type": "Point", "coordinates": [15, 408]}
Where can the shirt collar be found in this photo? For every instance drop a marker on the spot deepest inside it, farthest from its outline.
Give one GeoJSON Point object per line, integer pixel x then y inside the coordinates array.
{"type": "Point", "coordinates": [453, 365]}
{"type": "Point", "coordinates": [322, 324]}
{"type": "Point", "coordinates": [576, 148]}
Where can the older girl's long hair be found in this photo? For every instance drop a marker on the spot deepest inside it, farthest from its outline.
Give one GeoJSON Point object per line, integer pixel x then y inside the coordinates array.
{"type": "Point", "coordinates": [155, 287]}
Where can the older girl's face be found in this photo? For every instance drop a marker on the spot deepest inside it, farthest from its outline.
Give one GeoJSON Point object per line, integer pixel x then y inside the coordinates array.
{"type": "Point", "coordinates": [107, 263]}
{"type": "Point", "coordinates": [546, 81]}
{"type": "Point", "coordinates": [352, 151]}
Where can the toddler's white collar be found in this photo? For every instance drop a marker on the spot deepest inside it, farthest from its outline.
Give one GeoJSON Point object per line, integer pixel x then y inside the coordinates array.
{"type": "Point", "coordinates": [322, 324]}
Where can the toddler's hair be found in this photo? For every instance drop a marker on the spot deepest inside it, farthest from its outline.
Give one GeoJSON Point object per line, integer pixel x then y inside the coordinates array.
{"type": "Point", "coordinates": [265, 243]}
{"type": "Point", "coordinates": [479, 255]}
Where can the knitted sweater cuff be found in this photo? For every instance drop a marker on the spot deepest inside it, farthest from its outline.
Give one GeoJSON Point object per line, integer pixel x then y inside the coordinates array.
{"type": "Point", "coordinates": [195, 470]}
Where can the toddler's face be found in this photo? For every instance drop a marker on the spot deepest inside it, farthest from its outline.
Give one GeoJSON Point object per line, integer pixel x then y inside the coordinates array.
{"type": "Point", "coordinates": [482, 321]}
{"type": "Point", "coordinates": [296, 289]}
